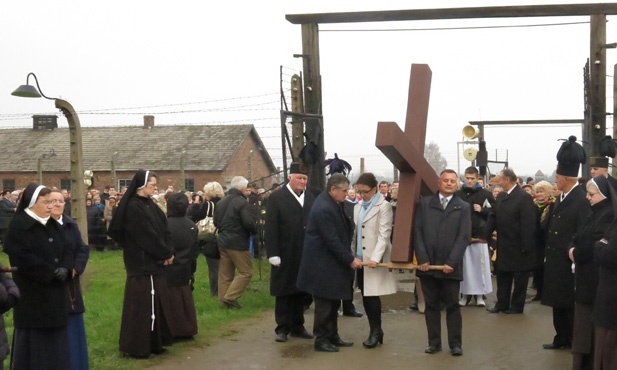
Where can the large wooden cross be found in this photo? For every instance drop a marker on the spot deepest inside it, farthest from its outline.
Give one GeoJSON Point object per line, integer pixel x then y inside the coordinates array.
{"type": "Point", "coordinates": [406, 151]}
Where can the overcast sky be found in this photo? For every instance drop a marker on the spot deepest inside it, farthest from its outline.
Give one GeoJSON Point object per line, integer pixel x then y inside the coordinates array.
{"type": "Point", "coordinates": [196, 62]}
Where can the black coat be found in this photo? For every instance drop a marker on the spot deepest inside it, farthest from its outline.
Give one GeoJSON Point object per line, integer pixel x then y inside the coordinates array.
{"type": "Point", "coordinates": [286, 223]}
{"type": "Point", "coordinates": [325, 269]}
{"type": "Point", "coordinates": [9, 295]}
{"type": "Point", "coordinates": [605, 307]}
{"type": "Point", "coordinates": [514, 219]}
{"type": "Point", "coordinates": [567, 219]}
{"type": "Point", "coordinates": [442, 235]}
{"type": "Point", "coordinates": [586, 271]}
{"type": "Point", "coordinates": [482, 197]}
{"type": "Point", "coordinates": [7, 211]}
{"type": "Point", "coordinates": [184, 242]}
{"type": "Point", "coordinates": [38, 250]}
{"type": "Point", "coordinates": [81, 253]}
{"type": "Point", "coordinates": [147, 242]}
{"type": "Point", "coordinates": [235, 221]}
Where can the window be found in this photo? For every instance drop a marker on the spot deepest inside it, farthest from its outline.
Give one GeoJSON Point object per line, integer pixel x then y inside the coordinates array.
{"type": "Point", "coordinates": [189, 184]}
{"type": "Point", "coordinates": [65, 184]}
{"type": "Point", "coordinates": [8, 184]}
{"type": "Point", "coordinates": [123, 182]}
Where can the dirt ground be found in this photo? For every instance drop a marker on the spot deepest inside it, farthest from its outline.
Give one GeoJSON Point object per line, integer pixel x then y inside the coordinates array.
{"type": "Point", "coordinates": [490, 341]}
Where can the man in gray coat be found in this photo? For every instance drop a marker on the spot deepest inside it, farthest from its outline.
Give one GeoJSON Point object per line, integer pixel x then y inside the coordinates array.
{"type": "Point", "coordinates": [442, 231]}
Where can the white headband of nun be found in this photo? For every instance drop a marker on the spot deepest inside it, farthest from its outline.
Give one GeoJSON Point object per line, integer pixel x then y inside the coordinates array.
{"type": "Point", "coordinates": [145, 181]}
{"type": "Point", "coordinates": [35, 195]}
{"type": "Point", "coordinates": [598, 187]}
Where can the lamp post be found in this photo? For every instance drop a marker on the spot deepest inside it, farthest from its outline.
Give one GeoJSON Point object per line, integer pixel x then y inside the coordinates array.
{"type": "Point", "coordinates": [39, 167]}
{"type": "Point", "coordinates": [78, 204]}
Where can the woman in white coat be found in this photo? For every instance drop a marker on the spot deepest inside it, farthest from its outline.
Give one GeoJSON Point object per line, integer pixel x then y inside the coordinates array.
{"type": "Point", "coordinates": [371, 244]}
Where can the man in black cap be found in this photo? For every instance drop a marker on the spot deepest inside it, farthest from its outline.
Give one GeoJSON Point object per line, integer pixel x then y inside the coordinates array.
{"type": "Point", "coordinates": [599, 167]}
{"type": "Point", "coordinates": [567, 218]}
{"type": "Point", "coordinates": [286, 216]}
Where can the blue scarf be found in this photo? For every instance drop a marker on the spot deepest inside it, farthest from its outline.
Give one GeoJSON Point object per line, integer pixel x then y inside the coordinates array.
{"type": "Point", "coordinates": [366, 206]}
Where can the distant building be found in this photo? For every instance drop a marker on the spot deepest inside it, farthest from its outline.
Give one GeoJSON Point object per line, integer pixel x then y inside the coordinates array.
{"type": "Point", "coordinates": [539, 176]}
{"type": "Point", "coordinates": [207, 153]}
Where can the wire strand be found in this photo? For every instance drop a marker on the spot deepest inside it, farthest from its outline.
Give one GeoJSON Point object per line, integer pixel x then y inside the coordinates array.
{"type": "Point", "coordinates": [456, 28]}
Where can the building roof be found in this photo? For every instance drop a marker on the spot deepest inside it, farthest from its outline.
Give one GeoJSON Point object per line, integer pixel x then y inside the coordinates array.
{"type": "Point", "coordinates": [208, 147]}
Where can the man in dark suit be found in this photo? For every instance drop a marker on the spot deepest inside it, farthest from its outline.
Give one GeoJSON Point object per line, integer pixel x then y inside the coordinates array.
{"type": "Point", "coordinates": [327, 265]}
{"type": "Point", "coordinates": [442, 231]}
{"type": "Point", "coordinates": [286, 217]}
{"type": "Point", "coordinates": [567, 218]}
{"type": "Point", "coordinates": [598, 166]}
{"type": "Point", "coordinates": [514, 219]}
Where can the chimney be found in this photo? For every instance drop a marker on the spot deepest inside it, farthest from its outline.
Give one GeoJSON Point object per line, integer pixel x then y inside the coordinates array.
{"type": "Point", "coordinates": [148, 122]}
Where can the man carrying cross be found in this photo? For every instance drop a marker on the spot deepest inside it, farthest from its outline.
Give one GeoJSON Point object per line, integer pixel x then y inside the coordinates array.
{"type": "Point", "coordinates": [442, 231]}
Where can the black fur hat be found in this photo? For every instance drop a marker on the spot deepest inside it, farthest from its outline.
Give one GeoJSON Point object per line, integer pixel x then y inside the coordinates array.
{"type": "Point", "coordinates": [570, 157]}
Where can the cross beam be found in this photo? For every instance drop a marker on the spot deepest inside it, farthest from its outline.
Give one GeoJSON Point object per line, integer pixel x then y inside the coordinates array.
{"type": "Point", "coordinates": [558, 10]}
{"type": "Point", "coordinates": [406, 151]}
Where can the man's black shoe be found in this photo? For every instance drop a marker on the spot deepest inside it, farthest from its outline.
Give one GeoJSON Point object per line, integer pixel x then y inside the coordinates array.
{"type": "Point", "coordinates": [513, 312]}
{"type": "Point", "coordinates": [495, 310]}
{"type": "Point", "coordinates": [337, 341]}
{"type": "Point", "coordinates": [353, 313]}
{"type": "Point", "coordinates": [555, 346]}
{"type": "Point", "coordinates": [228, 303]}
{"type": "Point", "coordinates": [325, 346]}
{"type": "Point", "coordinates": [456, 351]}
{"type": "Point", "coordinates": [432, 349]}
{"type": "Point", "coordinates": [281, 337]}
{"type": "Point", "coordinates": [301, 334]}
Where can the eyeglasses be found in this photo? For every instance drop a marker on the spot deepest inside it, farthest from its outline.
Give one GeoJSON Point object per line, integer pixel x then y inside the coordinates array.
{"type": "Point", "coordinates": [360, 192]}
{"type": "Point", "coordinates": [49, 202]}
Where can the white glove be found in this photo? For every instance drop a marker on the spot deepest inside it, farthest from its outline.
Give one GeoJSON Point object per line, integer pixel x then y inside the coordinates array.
{"type": "Point", "coordinates": [275, 261]}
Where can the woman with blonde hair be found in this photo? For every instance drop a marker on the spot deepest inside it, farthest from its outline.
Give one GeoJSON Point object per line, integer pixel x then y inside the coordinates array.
{"type": "Point", "coordinates": [543, 200]}
{"type": "Point", "coordinates": [212, 193]}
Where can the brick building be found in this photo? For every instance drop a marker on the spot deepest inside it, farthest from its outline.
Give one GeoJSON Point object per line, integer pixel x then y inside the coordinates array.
{"type": "Point", "coordinates": [206, 153]}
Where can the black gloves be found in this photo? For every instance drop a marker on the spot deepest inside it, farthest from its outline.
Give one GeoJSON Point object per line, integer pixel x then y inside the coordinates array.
{"type": "Point", "coordinates": [61, 273]}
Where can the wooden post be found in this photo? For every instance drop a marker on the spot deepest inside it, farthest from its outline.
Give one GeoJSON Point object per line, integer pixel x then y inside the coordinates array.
{"type": "Point", "coordinates": [312, 99]}
{"type": "Point", "coordinates": [361, 165]}
{"type": "Point", "coordinates": [613, 170]}
{"type": "Point", "coordinates": [78, 189]}
{"type": "Point", "coordinates": [596, 125]}
{"type": "Point", "coordinates": [297, 125]}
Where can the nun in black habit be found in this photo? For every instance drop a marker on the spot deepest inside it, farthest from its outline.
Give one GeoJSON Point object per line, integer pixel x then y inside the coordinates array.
{"type": "Point", "coordinates": [181, 313]}
{"type": "Point", "coordinates": [35, 244]}
{"type": "Point", "coordinates": [140, 228]}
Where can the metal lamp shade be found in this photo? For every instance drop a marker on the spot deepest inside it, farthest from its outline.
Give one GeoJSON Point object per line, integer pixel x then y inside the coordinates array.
{"type": "Point", "coordinates": [26, 91]}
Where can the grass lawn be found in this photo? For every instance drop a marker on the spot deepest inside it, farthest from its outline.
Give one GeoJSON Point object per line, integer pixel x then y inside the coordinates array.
{"type": "Point", "coordinates": [103, 288]}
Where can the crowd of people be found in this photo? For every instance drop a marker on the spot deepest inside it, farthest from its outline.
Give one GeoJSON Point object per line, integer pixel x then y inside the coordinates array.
{"type": "Point", "coordinates": [322, 246]}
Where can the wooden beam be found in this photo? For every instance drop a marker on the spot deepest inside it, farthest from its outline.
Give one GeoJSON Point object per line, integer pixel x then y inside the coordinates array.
{"type": "Point", "coordinates": [561, 10]}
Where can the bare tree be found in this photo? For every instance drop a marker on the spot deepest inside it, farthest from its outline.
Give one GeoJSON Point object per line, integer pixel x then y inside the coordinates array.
{"type": "Point", "coordinates": [434, 158]}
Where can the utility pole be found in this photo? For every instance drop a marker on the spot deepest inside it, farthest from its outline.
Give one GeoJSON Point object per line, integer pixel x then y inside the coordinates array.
{"type": "Point", "coordinates": [297, 126]}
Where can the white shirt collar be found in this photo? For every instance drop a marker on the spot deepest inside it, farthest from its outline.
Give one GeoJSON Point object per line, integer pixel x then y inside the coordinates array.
{"type": "Point", "coordinates": [564, 195]}
{"type": "Point", "coordinates": [299, 198]}
{"type": "Point", "coordinates": [41, 220]}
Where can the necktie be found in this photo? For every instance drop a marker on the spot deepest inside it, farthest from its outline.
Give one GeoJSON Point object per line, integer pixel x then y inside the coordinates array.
{"type": "Point", "coordinates": [444, 202]}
